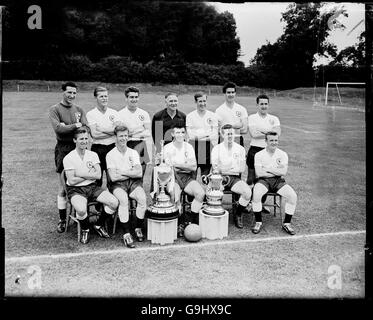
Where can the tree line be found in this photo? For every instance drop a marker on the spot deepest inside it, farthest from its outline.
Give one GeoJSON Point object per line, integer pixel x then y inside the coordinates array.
{"type": "Point", "coordinates": [167, 42]}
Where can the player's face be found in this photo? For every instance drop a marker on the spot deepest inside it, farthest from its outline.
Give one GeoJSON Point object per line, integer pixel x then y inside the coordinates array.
{"type": "Point", "coordinates": [69, 95]}
{"type": "Point", "coordinates": [228, 135]}
{"type": "Point", "coordinates": [202, 103]}
{"type": "Point", "coordinates": [230, 94]}
{"type": "Point", "coordinates": [122, 138]}
{"type": "Point", "coordinates": [172, 102]}
{"type": "Point", "coordinates": [82, 141]}
{"type": "Point", "coordinates": [179, 134]}
{"type": "Point", "coordinates": [133, 99]}
{"type": "Point", "coordinates": [263, 106]}
{"type": "Point", "coordinates": [102, 99]}
{"type": "Point", "coordinates": [272, 142]}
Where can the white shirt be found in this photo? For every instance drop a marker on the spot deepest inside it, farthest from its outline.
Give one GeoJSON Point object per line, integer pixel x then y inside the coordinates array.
{"type": "Point", "coordinates": [73, 161]}
{"type": "Point", "coordinates": [233, 158]}
{"type": "Point", "coordinates": [122, 162]}
{"type": "Point", "coordinates": [134, 121]}
{"type": "Point", "coordinates": [175, 156]}
{"type": "Point", "coordinates": [262, 123]}
{"type": "Point", "coordinates": [267, 160]}
{"type": "Point", "coordinates": [107, 119]}
{"type": "Point", "coordinates": [202, 125]}
{"type": "Point", "coordinates": [231, 115]}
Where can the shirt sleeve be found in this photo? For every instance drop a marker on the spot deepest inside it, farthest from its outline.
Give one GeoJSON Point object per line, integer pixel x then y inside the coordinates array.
{"type": "Point", "coordinates": [83, 120]}
{"type": "Point", "coordinates": [90, 118]}
{"type": "Point", "coordinates": [136, 158]}
{"type": "Point", "coordinates": [277, 121]}
{"type": "Point", "coordinates": [110, 163]}
{"type": "Point", "coordinates": [95, 158]}
{"type": "Point", "coordinates": [68, 163]}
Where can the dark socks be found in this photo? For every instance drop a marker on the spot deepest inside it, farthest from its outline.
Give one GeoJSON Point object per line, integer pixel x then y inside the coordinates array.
{"type": "Point", "coordinates": [195, 217]}
{"type": "Point", "coordinates": [139, 223]}
{"type": "Point", "coordinates": [240, 209]}
{"type": "Point", "coordinates": [84, 224]}
{"type": "Point", "coordinates": [287, 218]}
{"type": "Point", "coordinates": [102, 218]}
{"type": "Point", "coordinates": [62, 213]}
{"type": "Point", "coordinates": [258, 216]}
{"type": "Point", "coordinates": [126, 226]}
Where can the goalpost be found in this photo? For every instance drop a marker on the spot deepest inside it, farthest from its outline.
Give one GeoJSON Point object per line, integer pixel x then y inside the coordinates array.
{"type": "Point", "coordinates": [338, 92]}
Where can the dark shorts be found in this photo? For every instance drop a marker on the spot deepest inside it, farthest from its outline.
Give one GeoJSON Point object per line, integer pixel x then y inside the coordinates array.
{"type": "Point", "coordinates": [183, 179]}
{"type": "Point", "coordinates": [102, 151]}
{"type": "Point", "coordinates": [90, 192]}
{"type": "Point", "coordinates": [232, 181]}
{"type": "Point", "coordinates": [127, 185]}
{"type": "Point", "coordinates": [273, 184]}
{"type": "Point", "coordinates": [250, 157]}
{"type": "Point", "coordinates": [140, 147]}
{"type": "Point", "coordinates": [60, 151]}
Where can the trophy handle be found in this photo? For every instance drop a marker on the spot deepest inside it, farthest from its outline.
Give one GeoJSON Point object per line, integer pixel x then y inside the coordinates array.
{"type": "Point", "coordinates": [205, 179]}
{"type": "Point", "coordinates": [226, 180]}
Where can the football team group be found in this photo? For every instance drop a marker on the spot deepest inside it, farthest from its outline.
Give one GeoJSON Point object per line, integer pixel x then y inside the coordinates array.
{"type": "Point", "coordinates": [121, 143]}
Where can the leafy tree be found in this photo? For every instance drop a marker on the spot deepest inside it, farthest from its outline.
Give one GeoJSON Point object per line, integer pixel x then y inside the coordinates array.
{"type": "Point", "coordinates": [353, 56]}
{"type": "Point", "coordinates": [289, 61]}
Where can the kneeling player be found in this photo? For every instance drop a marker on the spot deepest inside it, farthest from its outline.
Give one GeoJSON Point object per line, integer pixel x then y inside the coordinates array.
{"type": "Point", "coordinates": [228, 158]}
{"type": "Point", "coordinates": [181, 156]}
{"type": "Point", "coordinates": [125, 173]}
{"type": "Point", "coordinates": [82, 169]}
{"type": "Point", "coordinates": [271, 165]}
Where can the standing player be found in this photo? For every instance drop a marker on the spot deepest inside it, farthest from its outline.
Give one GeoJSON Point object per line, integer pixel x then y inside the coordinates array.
{"type": "Point", "coordinates": [233, 113]}
{"type": "Point", "coordinates": [271, 165]}
{"type": "Point", "coordinates": [125, 173]}
{"type": "Point", "coordinates": [102, 121]}
{"type": "Point", "coordinates": [259, 124]}
{"type": "Point", "coordinates": [65, 117]}
{"type": "Point", "coordinates": [164, 120]}
{"type": "Point", "coordinates": [137, 121]}
{"type": "Point", "coordinates": [180, 155]}
{"type": "Point", "coordinates": [82, 169]}
{"type": "Point", "coordinates": [228, 159]}
{"type": "Point", "coordinates": [203, 127]}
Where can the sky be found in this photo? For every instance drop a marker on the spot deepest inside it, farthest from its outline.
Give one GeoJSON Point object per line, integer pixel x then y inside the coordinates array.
{"type": "Point", "coordinates": [259, 22]}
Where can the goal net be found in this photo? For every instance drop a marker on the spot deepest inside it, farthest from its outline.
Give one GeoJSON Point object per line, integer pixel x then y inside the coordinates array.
{"type": "Point", "coordinates": [345, 94]}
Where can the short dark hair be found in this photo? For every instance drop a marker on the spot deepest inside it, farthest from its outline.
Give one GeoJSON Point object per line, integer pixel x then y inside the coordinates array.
{"type": "Point", "coordinates": [270, 133]}
{"type": "Point", "coordinates": [199, 94]}
{"type": "Point", "coordinates": [99, 89]}
{"type": "Point", "coordinates": [131, 89]}
{"type": "Point", "coordinates": [261, 96]}
{"type": "Point", "coordinates": [229, 85]}
{"type": "Point", "coordinates": [227, 126]}
{"type": "Point", "coordinates": [170, 94]}
{"type": "Point", "coordinates": [179, 124]}
{"type": "Point", "coordinates": [82, 129]}
{"type": "Point", "coordinates": [120, 129]}
{"type": "Point", "coordinates": [68, 84]}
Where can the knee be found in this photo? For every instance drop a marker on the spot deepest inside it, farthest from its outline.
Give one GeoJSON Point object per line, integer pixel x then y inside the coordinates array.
{"type": "Point", "coordinates": [113, 203]}
{"type": "Point", "coordinates": [80, 212]}
{"type": "Point", "coordinates": [141, 200]}
{"type": "Point", "coordinates": [200, 195]}
{"type": "Point", "coordinates": [247, 194]}
{"type": "Point", "coordinates": [293, 197]}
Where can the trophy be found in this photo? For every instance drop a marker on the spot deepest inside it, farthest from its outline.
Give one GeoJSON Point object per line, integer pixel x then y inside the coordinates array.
{"type": "Point", "coordinates": [214, 193]}
{"type": "Point", "coordinates": [162, 207]}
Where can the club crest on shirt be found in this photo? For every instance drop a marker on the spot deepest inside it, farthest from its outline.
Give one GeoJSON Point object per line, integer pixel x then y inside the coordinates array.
{"type": "Point", "coordinates": [111, 118]}
{"type": "Point", "coordinates": [89, 165]}
{"type": "Point", "coordinates": [209, 121]}
{"type": "Point", "coordinates": [238, 114]}
{"type": "Point", "coordinates": [77, 115]}
{"type": "Point", "coordinates": [278, 161]}
{"type": "Point", "coordinates": [141, 117]}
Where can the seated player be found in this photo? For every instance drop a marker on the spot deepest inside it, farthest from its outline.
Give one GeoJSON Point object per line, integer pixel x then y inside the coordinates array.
{"type": "Point", "coordinates": [271, 165]}
{"type": "Point", "coordinates": [228, 159]}
{"type": "Point", "coordinates": [125, 173]}
{"type": "Point", "coordinates": [180, 155]}
{"type": "Point", "coordinates": [82, 169]}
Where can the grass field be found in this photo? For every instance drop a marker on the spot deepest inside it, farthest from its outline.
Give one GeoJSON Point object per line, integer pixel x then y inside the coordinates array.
{"type": "Point", "coordinates": [326, 149]}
